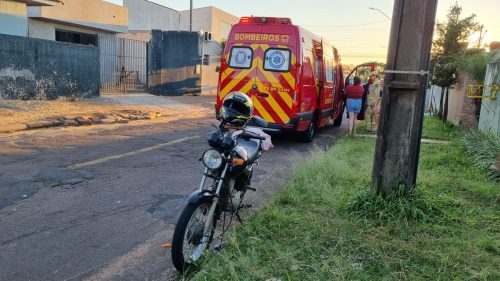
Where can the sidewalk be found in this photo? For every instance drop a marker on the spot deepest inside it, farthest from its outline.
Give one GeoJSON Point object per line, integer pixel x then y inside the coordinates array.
{"type": "Point", "coordinates": [17, 115]}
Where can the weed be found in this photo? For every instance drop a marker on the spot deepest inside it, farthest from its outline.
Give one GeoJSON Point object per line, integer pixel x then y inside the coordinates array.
{"type": "Point", "coordinates": [482, 147]}
{"type": "Point", "coordinates": [396, 208]}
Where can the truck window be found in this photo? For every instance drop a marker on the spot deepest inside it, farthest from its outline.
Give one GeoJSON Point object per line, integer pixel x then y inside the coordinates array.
{"type": "Point", "coordinates": [317, 71]}
{"type": "Point", "coordinates": [241, 57]}
{"type": "Point", "coordinates": [277, 60]}
{"type": "Point", "coordinates": [329, 70]}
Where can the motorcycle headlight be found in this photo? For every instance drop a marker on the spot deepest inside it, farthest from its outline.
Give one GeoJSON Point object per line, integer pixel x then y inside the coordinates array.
{"type": "Point", "coordinates": [212, 159]}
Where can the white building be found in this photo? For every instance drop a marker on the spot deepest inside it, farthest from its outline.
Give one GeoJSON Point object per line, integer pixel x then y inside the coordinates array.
{"type": "Point", "coordinates": [145, 16]}
{"type": "Point", "coordinates": [14, 15]}
{"type": "Point", "coordinates": [77, 21]}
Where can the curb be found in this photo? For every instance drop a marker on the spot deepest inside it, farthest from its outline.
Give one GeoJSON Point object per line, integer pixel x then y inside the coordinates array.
{"type": "Point", "coordinates": [11, 128]}
{"type": "Point", "coordinates": [433, 141]}
{"type": "Point", "coordinates": [115, 117]}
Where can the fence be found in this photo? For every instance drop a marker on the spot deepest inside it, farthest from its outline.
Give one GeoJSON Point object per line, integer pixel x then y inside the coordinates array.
{"type": "Point", "coordinates": [123, 65]}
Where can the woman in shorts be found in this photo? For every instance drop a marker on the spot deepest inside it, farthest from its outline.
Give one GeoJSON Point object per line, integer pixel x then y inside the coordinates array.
{"type": "Point", "coordinates": [354, 94]}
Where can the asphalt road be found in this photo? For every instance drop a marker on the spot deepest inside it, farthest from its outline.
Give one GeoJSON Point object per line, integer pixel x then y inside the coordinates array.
{"type": "Point", "coordinates": [107, 219]}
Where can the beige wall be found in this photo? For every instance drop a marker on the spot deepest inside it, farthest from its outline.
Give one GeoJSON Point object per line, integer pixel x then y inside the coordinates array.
{"type": "Point", "coordinates": [144, 36]}
{"type": "Point", "coordinates": [12, 8]}
{"type": "Point", "coordinates": [208, 19]}
{"type": "Point", "coordinates": [47, 30]}
{"type": "Point", "coordinates": [96, 14]}
{"type": "Point", "coordinates": [461, 109]}
{"type": "Point", "coordinates": [218, 19]}
{"type": "Point", "coordinates": [456, 101]}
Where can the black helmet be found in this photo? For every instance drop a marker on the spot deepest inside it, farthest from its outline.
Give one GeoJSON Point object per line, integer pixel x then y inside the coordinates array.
{"type": "Point", "coordinates": [237, 109]}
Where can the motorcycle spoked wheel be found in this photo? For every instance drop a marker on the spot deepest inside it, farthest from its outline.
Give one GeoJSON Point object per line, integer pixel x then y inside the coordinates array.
{"type": "Point", "coordinates": [189, 243]}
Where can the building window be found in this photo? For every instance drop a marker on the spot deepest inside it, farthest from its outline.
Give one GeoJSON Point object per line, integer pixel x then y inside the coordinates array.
{"type": "Point", "coordinates": [225, 28]}
{"type": "Point", "coordinates": [76, 37]}
{"type": "Point", "coordinates": [329, 70]}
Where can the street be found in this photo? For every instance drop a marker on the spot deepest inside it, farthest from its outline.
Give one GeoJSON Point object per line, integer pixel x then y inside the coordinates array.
{"type": "Point", "coordinates": [97, 203]}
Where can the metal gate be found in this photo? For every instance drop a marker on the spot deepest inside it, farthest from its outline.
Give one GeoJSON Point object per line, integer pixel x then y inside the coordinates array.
{"type": "Point", "coordinates": [123, 65]}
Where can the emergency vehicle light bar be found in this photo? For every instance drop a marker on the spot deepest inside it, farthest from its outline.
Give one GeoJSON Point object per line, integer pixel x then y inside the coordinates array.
{"type": "Point", "coordinates": [245, 20]}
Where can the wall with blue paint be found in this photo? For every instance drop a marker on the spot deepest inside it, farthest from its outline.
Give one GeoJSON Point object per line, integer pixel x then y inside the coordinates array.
{"type": "Point", "coordinates": [173, 58]}
{"type": "Point", "coordinates": [42, 69]}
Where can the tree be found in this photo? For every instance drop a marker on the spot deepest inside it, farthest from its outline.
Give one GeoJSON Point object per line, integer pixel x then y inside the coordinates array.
{"type": "Point", "coordinates": [452, 39]}
{"type": "Point", "coordinates": [495, 45]}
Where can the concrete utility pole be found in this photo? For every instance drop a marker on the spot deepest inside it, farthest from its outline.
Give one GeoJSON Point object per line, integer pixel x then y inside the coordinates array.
{"type": "Point", "coordinates": [400, 129]}
{"type": "Point", "coordinates": [190, 15]}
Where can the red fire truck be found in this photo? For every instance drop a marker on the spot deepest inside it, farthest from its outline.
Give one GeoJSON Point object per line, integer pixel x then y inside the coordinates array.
{"type": "Point", "coordinates": [293, 76]}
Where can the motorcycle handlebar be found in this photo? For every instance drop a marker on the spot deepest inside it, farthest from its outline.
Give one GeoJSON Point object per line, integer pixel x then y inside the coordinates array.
{"type": "Point", "coordinates": [251, 136]}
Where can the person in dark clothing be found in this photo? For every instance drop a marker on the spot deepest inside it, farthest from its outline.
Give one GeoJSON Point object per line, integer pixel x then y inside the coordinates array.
{"type": "Point", "coordinates": [354, 95]}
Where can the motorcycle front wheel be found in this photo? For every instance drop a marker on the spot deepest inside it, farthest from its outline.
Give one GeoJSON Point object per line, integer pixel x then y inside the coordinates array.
{"type": "Point", "coordinates": [189, 241]}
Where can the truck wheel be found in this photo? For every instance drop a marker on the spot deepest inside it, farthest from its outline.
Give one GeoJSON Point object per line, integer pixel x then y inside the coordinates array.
{"type": "Point", "coordinates": [338, 121]}
{"type": "Point", "coordinates": [308, 135]}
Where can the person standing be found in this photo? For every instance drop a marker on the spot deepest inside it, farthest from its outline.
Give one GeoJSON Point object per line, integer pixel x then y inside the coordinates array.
{"type": "Point", "coordinates": [374, 101]}
{"type": "Point", "coordinates": [354, 94]}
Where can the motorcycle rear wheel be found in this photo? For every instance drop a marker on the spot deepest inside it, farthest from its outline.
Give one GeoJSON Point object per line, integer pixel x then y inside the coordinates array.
{"type": "Point", "coordinates": [189, 243]}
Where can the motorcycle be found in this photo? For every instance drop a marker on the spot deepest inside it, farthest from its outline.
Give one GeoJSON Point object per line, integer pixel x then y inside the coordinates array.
{"type": "Point", "coordinates": [229, 164]}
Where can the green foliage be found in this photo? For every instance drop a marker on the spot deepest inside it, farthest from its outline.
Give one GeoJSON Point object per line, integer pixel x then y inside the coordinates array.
{"type": "Point", "coordinates": [482, 147]}
{"type": "Point", "coordinates": [453, 34]}
{"type": "Point", "coordinates": [474, 64]}
{"type": "Point", "coordinates": [325, 226]}
{"type": "Point", "coordinates": [451, 40]}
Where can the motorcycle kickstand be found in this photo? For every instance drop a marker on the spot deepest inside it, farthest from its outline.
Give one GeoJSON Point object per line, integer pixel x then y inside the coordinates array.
{"type": "Point", "coordinates": [238, 217]}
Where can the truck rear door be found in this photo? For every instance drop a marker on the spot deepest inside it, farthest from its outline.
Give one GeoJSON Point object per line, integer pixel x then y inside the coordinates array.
{"type": "Point", "coordinates": [276, 74]}
{"type": "Point", "coordinates": [241, 57]}
{"type": "Point", "coordinates": [362, 71]}
{"type": "Point", "coordinates": [323, 70]}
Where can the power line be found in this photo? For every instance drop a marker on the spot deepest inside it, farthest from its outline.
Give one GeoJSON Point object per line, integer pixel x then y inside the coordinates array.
{"type": "Point", "coordinates": [351, 25]}
{"type": "Point", "coordinates": [349, 30]}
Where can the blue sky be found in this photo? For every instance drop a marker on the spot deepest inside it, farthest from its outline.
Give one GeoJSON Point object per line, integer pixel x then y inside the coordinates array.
{"type": "Point", "coordinates": [359, 33]}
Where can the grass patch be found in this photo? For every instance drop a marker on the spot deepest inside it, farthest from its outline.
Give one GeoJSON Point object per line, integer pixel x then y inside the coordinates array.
{"type": "Point", "coordinates": [396, 208]}
{"type": "Point", "coordinates": [436, 129]}
{"type": "Point", "coordinates": [324, 226]}
{"type": "Point", "coordinates": [364, 127]}
{"type": "Point", "coordinates": [433, 128]}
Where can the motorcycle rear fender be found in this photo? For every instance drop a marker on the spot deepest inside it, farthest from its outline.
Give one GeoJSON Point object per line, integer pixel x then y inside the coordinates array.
{"type": "Point", "coordinates": [201, 196]}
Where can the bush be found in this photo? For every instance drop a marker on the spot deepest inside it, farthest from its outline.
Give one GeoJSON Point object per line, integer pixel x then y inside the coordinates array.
{"type": "Point", "coordinates": [483, 147]}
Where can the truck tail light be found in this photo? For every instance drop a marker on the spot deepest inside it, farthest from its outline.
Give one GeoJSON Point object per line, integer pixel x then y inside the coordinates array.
{"type": "Point", "coordinates": [296, 101]}
{"type": "Point", "coordinates": [245, 20]}
{"type": "Point", "coordinates": [268, 20]}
